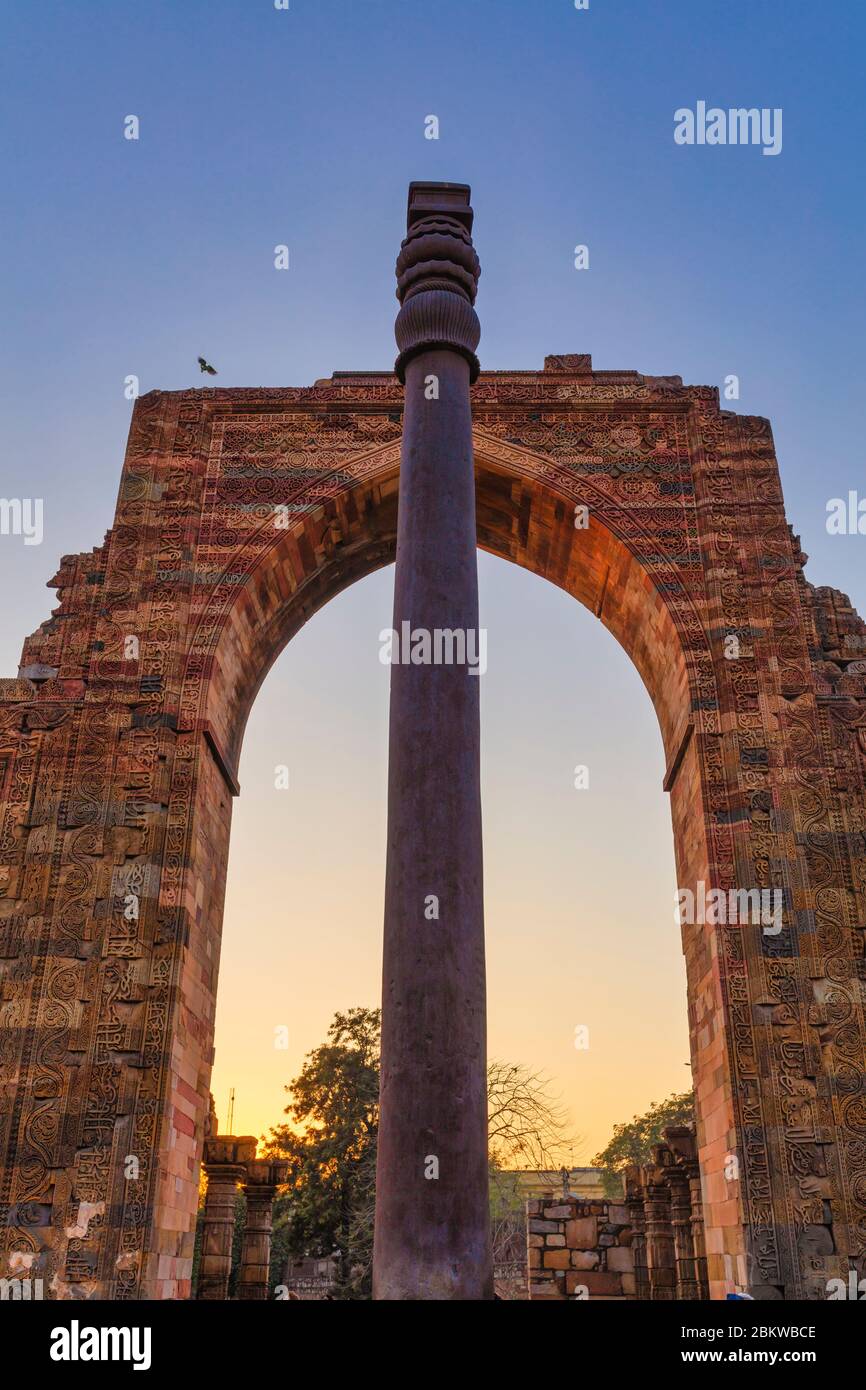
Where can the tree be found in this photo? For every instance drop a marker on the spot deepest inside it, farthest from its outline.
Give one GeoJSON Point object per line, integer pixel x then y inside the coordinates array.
{"type": "Point", "coordinates": [330, 1142]}
{"type": "Point", "coordinates": [329, 1202]}
{"type": "Point", "coordinates": [633, 1142]}
{"type": "Point", "coordinates": [526, 1125]}
{"type": "Point", "coordinates": [526, 1129]}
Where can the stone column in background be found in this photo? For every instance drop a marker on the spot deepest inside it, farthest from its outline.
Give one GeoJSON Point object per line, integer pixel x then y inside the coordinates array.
{"type": "Point", "coordinates": [697, 1218]}
{"type": "Point", "coordinates": [264, 1176]}
{"type": "Point", "coordinates": [681, 1222]}
{"type": "Point", "coordinates": [225, 1166]}
{"type": "Point", "coordinates": [682, 1142]}
{"type": "Point", "coordinates": [432, 1238]}
{"type": "Point", "coordinates": [637, 1217]}
{"type": "Point", "coordinates": [661, 1258]}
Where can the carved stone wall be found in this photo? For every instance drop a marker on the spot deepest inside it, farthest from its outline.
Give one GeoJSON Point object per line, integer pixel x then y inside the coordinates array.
{"type": "Point", "coordinates": [240, 513]}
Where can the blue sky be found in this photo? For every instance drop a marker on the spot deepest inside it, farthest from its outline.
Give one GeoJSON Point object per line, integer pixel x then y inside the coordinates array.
{"type": "Point", "coordinates": [261, 127]}
{"type": "Point", "coordinates": [304, 127]}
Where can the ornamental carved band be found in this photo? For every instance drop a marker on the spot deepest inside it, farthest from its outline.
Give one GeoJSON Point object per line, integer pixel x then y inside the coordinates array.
{"type": "Point", "coordinates": [240, 513]}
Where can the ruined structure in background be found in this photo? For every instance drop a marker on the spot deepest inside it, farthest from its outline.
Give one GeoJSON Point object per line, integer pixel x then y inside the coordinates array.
{"type": "Point", "coordinates": [579, 1249]}
{"type": "Point", "coordinates": [666, 1214]}
{"type": "Point", "coordinates": [650, 1245]}
{"type": "Point", "coordinates": [230, 1166]}
{"type": "Point", "coordinates": [240, 513]}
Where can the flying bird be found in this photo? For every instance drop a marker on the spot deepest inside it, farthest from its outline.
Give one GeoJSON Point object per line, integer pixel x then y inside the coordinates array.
{"type": "Point", "coordinates": [206, 367]}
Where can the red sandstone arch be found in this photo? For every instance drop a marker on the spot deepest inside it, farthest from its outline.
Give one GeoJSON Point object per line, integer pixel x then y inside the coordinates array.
{"type": "Point", "coordinates": [523, 516]}
{"type": "Point", "coordinates": [525, 512]}
{"type": "Point", "coordinates": [116, 775]}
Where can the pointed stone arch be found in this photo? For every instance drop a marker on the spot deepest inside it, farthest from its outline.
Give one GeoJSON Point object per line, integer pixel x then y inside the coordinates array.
{"type": "Point", "coordinates": [118, 775]}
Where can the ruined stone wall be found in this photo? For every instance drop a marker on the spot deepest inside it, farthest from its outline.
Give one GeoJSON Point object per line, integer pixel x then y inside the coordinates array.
{"type": "Point", "coordinates": [580, 1250]}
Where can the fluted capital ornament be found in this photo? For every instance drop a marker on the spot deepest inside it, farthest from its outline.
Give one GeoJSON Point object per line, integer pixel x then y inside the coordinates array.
{"type": "Point", "coordinates": [437, 276]}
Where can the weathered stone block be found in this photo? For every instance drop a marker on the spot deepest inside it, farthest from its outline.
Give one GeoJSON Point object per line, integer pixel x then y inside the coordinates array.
{"type": "Point", "coordinates": [543, 1291]}
{"type": "Point", "coordinates": [585, 1259]}
{"type": "Point", "coordinates": [557, 1259]}
{"type": "Point", "coordinates": [620, 1258]}
{"type": "Point", "coordinates": [582, 1234]}
{"type": "Point", "coordinates": [599, 1282]}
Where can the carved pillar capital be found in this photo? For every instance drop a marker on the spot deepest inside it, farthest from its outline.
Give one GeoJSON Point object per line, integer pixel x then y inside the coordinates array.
{"type": "Point", "coordinates": [223, 1175]}
{"type": "Point", "coordinates": [229, 1149]}
{"type": "Point", "coordinates": [225, 1164]}
{"type": "Point", "coordinates": [265, 1174]}
{"type": "Point", "coordinates": [437, 276]}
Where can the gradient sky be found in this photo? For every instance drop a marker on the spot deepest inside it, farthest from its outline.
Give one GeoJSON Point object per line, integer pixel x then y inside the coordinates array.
{"type": "Point", "coordinates": [304, 127]}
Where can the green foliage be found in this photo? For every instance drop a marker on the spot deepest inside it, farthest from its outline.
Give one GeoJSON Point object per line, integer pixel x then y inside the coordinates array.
{"type": "Point", "coordinates": [330, 1142]}
{"type": "Point", "coordinates": [633, 1142]}
{"type": "Point", "coordinates": [506, 1194]}
{"type": "Point", "coordinates": [328, 1205]}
